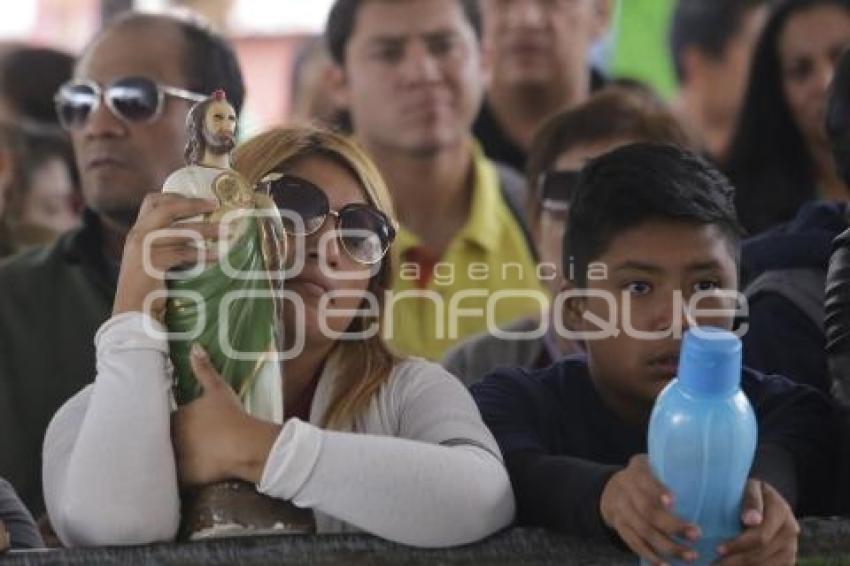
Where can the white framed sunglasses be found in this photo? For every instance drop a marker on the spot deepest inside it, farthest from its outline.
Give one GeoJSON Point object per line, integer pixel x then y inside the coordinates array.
{"type": "Point", "coordinates": [131, 99]}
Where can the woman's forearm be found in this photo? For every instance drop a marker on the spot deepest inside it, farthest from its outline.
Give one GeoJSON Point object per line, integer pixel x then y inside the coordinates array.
{"type": "Point", "coordinates": [407, 491]}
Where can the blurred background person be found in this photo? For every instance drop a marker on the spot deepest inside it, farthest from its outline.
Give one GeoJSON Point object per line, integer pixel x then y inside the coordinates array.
{"type": "Point", "coordinates": [780, 155]}
{"type": "Point", "coordinates": [785, 268]}
{"type": "Point", "coordinates": [538, 51]}
{"type": "Point", "coordinates": [311, 99]}
{"type": "Point", "coordinates": [711, 43]}
{"type": "Point", "coordinates": [613, 117]}
{"type": "Point", "coordinates": [38, 179]}
{"type": "Point", "coordinates": [29, 77]}
{"type": "Point", "coordinates": [39, 192]}
{"type": "Point", "coordinates": [411, 75]}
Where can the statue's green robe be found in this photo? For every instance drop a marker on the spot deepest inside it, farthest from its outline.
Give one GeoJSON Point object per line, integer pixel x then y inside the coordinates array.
{"type": "Point", "coordinates": [238, 327]}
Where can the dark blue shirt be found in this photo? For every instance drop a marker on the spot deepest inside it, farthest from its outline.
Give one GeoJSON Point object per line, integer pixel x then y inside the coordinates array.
{"type": "Point", "coordinates": [562, 443]}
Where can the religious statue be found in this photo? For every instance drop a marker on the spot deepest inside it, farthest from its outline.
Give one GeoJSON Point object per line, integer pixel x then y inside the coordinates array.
{"type": "Point", "coordinates": [248, 261]}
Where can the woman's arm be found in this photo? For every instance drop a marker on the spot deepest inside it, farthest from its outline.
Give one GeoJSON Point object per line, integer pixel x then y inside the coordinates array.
{"type": "Point", "coordinates": [109, 473]}
{"type": "Point", "coordinates": [441, 482]}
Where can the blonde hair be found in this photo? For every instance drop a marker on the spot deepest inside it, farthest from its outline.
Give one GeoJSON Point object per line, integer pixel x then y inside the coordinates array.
{"type": "Point", "coordinates": [368, 362]}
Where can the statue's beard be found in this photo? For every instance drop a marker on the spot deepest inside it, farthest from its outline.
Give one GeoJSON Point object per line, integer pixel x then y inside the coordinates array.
{"type": "Point", "coordinates": [219, 144]}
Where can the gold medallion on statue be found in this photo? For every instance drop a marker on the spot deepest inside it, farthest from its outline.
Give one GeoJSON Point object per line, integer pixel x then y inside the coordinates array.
{"type": "Point", "coordinates": [232, 190]}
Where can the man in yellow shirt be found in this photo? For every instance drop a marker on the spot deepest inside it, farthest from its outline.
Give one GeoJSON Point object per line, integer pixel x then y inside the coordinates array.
{"type": "Point", "coordinates": [411, 75]}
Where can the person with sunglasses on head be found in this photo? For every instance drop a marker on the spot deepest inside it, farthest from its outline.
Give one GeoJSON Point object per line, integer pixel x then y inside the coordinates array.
{"type": "Point", "coordinates": [411, 76]}
{"type": "Point", "coordinates": [613, 117]}
{"type": "Point", "coordinates": [125, 109]}
{"type": "Point", "coordinates": [371, 441]}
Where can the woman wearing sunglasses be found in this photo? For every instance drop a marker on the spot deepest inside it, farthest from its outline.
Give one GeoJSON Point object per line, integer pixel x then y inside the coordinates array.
{"type": "Point", "coordinates": [371, 441]}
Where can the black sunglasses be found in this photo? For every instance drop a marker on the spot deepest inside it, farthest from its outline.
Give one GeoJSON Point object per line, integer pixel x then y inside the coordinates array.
{"type": "Point", "coordinates": [131, 99]}
{"type": "Point", "coordinates": [364, 231]}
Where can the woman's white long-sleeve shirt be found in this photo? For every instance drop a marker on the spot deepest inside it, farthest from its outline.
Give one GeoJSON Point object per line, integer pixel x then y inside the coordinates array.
{"type": "Point", "coordinates": [421, 468]}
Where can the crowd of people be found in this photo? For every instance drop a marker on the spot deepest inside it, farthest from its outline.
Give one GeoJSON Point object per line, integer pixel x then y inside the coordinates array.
{"type": "Point", "coordinates": [517, 197]}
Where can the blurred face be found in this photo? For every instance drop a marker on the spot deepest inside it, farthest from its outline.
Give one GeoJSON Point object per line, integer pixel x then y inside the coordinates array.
{"type": "Point", "coordinates": [646, 265]}
{"type": "Point", "coordinates": [550, 230]}
{"type": "Point", "coordinates": [809, 49]}
{"type": "Point", "coordinates": [413, 78]}
{"type": "Point", "coordinates": [220, 127]}
{"type": "Point", "coordinates": [120, 162]}
{"type": "Point", "coordinates": [323, 248]}
{"type": "Point", "coordinates": [313, 99]}
{"type": "Point", "coordinates": [535, 42]}
{"type": "Point", "coordinates": [725, 78]}
{"type": "Point", "coordinates": [49, 202]}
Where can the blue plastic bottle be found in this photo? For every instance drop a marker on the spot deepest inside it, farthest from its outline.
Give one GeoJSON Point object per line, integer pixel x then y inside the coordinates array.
{"type": "Point", "coordinates": [702, 437]}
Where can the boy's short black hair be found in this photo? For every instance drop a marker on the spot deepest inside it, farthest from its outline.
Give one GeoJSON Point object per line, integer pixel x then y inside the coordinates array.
{"type": "Point", "coordinates": [638, 183]}
{"type": "Point", "coordinates": [838, 117]}
{"type": "Point", "coordinates": [708, 25]}
{"type": "Point", "coordinates": [343, 17]}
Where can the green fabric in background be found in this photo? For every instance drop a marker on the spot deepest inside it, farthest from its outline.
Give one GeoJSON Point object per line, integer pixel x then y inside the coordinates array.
{"type": "Point", "coordinates": [641, 49]}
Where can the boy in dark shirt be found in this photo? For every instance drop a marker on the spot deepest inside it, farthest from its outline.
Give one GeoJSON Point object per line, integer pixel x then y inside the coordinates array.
{"type": "Point", "coordinates": [651, 230]}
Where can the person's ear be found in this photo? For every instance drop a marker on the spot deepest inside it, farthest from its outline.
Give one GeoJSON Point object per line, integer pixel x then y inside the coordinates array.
{"type": "Point", "coordinates": [337, 81]}
{"type": "Point", "coordinates": [574, 306]}
{"type": "Point", "coordinates": [602, 15]}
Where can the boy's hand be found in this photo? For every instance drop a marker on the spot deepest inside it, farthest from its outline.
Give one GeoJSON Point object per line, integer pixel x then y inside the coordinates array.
{"type": "Point", "coordinates": [637, 506]}
{"type": "Point", "coordinates": [770, 530]}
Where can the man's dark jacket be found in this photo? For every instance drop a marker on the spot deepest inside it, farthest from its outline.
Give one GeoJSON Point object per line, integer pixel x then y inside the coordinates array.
{"type": "Point", "coordinates": [52, 301]}
{"type": "Point", "coordinates": [784, 275]}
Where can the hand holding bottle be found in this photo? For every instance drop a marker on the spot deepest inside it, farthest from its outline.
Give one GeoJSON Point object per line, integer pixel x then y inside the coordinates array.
{"type": "Point", "coordinates": [770, 530]}
{"type": "Point", "coordinates": [639, 508]}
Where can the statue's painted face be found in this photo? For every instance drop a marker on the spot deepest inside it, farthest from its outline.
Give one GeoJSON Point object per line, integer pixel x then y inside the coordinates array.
{"type": "Point", "coordinates": [220, 127]}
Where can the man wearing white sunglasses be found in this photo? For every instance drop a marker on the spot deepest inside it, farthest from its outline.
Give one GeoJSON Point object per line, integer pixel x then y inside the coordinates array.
{"type": "Point", "coordinates": [125, 110]}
